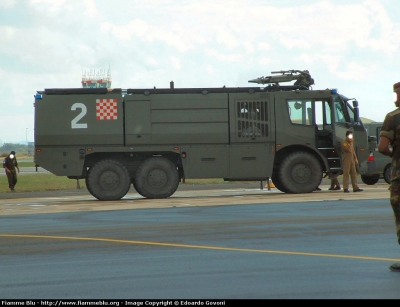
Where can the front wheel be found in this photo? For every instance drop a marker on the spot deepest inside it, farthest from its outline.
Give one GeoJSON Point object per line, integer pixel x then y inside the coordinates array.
{"type": "Point", "coordinates": [277, 183]}
{"type": "Point", "coordinates": [387, 173]}
{"type": "Point", "coordinates": [156, 177]}
{"type": "Point", "coordinates": [299, 172]}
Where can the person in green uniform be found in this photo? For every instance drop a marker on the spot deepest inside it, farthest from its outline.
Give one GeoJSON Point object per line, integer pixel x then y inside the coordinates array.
{"type": "Point", "coordinates": [10, 165]}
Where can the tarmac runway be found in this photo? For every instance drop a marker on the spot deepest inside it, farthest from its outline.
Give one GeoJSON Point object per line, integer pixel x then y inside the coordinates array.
{"type": "Point", "coordinates": [222, 243]}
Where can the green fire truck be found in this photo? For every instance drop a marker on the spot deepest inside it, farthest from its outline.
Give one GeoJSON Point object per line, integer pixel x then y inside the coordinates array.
{"type": "Point", "coordinates": [156, 138]}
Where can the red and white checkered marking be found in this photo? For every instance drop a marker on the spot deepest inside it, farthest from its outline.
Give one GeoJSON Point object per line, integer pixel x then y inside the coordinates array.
{"type": "Point", "coordinates": [106, 109]}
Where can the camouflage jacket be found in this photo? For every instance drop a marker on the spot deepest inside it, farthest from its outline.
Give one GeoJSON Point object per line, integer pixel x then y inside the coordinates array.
{"type": "Point", "coordinates": [391, 130]}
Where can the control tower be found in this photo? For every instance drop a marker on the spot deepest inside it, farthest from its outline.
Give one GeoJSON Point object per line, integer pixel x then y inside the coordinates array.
{"type": "Point", "coordinates": [100, 79]}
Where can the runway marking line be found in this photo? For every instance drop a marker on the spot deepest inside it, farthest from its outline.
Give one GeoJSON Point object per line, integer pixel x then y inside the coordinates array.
{"type": "Point", "coordinates": [199, 247]}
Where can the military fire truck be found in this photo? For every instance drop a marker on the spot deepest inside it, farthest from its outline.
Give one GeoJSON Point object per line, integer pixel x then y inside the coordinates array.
{"type": "Point", "coordinates": [156, 138]}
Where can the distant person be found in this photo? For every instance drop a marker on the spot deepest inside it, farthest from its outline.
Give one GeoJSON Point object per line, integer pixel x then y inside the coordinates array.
{"type": "Point", "coordinates": [349, 162]}
{"type": "Point", "coordinates": [10, 165]}
{"type": "Point", "coordinates": [335, 184]}
{"type": "Point", "coordinates": [389, 145]}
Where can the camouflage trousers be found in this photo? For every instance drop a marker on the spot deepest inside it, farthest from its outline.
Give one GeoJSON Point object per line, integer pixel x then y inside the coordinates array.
{"type": "Point", "coordinates": [395, 203]}
{"type": "Point", "coordinates": [334, 180]}
{"type": "Point", "coordinates": [335, 183]}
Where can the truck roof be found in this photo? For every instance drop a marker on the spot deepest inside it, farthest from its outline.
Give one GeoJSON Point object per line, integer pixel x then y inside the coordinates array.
{"type": "Point", "coordinates": [147, 91]}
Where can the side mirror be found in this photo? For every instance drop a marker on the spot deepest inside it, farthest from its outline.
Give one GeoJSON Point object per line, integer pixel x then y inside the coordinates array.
{"type": "Point", "coordinates": [356, 111]}
{"type": "Point", "coordinates": [297, 105]}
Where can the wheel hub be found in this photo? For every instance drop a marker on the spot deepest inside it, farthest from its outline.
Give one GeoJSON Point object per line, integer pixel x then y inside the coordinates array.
{"type": "Point", "coordinates": [301, 173]}
{"type": "Point", "coordinates": [157, 178]}
{"type": "Point", "coordinates": [109, 180]}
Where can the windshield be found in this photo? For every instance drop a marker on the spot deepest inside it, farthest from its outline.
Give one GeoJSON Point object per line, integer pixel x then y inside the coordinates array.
{"type": "Point", "coordinates": [339, 112]}
{"type": "Point", "coordinates": [349, 108]}
{"type": "Point", "coordinates": [344, 111]}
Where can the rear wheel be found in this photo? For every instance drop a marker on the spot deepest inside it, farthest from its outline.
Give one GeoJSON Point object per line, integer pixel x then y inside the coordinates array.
{"type": "Point", "coordinates": [108, 180]}
{"type": "Point", "coordinates": [387, 173]}
{"type": "Point", "coordinates": [299, 172]}
{"type": "Point", "coordinates": [156, 177]}
{"type": "Point", "coordinates": [137, 189]}
{"type": "Point", "coordinates": [370, 180]}
{"type": "Point", "coordinates": [87, 185]}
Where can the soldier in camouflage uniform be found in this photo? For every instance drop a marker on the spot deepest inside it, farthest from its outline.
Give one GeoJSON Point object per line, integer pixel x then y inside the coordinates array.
{"type": "Point", "coordinates": [335, 184]}
{"type": "Point", "coordinates": [349, 162]}
{"type": "Point", "coordinates": [389, 145]}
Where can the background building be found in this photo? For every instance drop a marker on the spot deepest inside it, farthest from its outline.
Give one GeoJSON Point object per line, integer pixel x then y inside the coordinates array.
{"type": "Point", "coordinates": [92, 78]}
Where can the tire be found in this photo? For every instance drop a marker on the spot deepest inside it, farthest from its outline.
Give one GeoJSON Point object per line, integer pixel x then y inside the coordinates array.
{"type": "Point", "coordinates": [370, 180]}
{"type": "Point", "coordinates": [136, 187]}
{"type": "Point", "coordinates": [318, 184]}
{"type": "Point", "coordinates": [278, 184]}
{"type": "Point", "coordinates": [300, 172]}
{"type": "Point", "coordinates": [387, 173]}
{"type": "Point", "coordinates": [87, 185]}
{"type": "Point", "coordinates": [156, 178]}
{"type": "Point", "coordinates": [108, 180]}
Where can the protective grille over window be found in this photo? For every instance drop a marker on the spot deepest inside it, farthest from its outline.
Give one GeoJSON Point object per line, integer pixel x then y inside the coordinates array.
{"type": "Point", "coordinates": [252, 119]}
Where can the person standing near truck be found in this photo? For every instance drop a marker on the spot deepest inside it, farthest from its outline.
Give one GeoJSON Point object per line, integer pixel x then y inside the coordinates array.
{"type": "Point", "coordinates": [335, 184]}
{"type": "Point", "coordinates": [10, 165]}
{"type": "Point", "coordinates": [349, 162]}
{"type": "Point", "coordinates": [389, 145]}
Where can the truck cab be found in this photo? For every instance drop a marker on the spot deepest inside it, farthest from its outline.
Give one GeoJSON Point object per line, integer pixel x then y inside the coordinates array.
{"type": "Point", "coordinates": [377, 166]}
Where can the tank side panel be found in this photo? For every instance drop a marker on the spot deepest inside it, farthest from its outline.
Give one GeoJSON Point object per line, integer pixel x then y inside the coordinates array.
{"type": "Point", "coordinates": [189, 101]}
{"type": "Point", "coordinates": [189, 133]}
{"type": "Point", "coordinates": [204, 161]}
{"type": "Point", "coordinates": [61, 161]}
{"type": "Point", "coordinates": [189, 119]}
{"type": "Point", "coordinates": [137, 121]}
{"type": "Point", "coordinates": [67, 120]}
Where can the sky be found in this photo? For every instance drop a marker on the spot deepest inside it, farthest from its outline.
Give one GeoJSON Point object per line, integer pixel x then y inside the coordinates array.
{"type": "Point", "coordinates": [349, 45]}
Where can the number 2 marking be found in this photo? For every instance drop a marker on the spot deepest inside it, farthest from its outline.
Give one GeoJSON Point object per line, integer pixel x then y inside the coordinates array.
{"type": "Point", "coordinates": [74, 122]}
